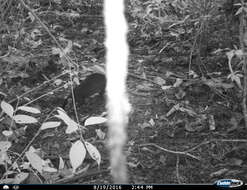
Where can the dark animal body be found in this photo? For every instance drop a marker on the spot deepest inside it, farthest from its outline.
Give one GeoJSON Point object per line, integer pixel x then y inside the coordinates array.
{"type": "Point", "coordinates": [93, 84]}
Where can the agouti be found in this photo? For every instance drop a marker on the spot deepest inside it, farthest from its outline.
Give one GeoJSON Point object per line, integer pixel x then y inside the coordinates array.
{"type": "Point", "coordinates": [93, 84]}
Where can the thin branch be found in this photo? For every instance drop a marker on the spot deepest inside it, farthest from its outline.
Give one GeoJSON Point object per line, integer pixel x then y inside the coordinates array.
{"type": "Point", "coordinates": [171, 151]}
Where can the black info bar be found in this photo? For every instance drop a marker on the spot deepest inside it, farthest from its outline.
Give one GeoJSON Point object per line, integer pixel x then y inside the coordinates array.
{"type": "Point", "coordinates": [111, 187]}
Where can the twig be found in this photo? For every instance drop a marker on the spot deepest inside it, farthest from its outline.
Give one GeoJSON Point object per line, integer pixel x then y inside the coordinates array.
{"type": "Point", "coordinates": [82, 176]}
{"type": "Point", "coordinates": [46, 94]}
{"type": "Point", "coordinates": [195, 147]}
{"type": "Point", "coordinates": [141, 78]}
{"type": "Point", "coordinates": [48, 31]}
{"type": "Point", "coordinates": [33, 89]}
{"type": "Point", "coordinates": [21, 155]}
{"type": "Point", "coordinates": [7, 54]}
{"type": "Point", "coordinates": [171, 151]}
{"type": "Point", "coordinates": [216, 140]}
{"type": "Point", "coordinates": [68, 59]}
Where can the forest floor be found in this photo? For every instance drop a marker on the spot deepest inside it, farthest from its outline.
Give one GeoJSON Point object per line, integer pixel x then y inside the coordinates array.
{"type": "Point", "coordinates": [181, 130]}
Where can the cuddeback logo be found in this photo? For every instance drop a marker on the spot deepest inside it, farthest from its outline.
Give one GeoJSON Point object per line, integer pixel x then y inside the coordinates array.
{"type": "Point", "coordinates": [229, 183]}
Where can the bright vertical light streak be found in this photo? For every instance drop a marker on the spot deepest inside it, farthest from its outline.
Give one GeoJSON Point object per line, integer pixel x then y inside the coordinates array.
{"type": "Point", "coordinates": [116, 69]}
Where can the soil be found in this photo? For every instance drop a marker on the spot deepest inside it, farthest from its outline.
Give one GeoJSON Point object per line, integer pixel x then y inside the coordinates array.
{"type": "Point", "coordinates": [182, 129]}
